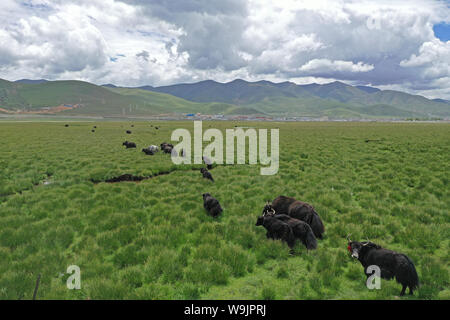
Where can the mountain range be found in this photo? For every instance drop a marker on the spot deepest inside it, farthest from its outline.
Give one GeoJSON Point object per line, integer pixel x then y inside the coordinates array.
{"type": "Point", "coordinates": [239, 97]}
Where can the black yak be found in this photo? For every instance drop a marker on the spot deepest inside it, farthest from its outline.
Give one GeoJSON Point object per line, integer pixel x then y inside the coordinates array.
{"type": "Point", "coordinates": [92, 130]}
{"type": "Point", "coordinates": [148, 151]}
{"type": "Point", "coordinates": [211, 205]}
{"type": "Point", "coordinates": [66, 125]}
{"type": "Point", "coordinates": [277, 229]}
{"type": "Point", "coordinates": [128, 132]}
{"type": "Point", "coordinates": [301, 230]}
{"type": "Point", "coordinates": [206, 174]}
{"type": "Point", "coordinates": [129, 144]}
{"type": "Point", "coordinates": [166, 147]}
{"type": "Point", "coordinates": [299, 210]}
{"type": "Point", "coordinates": [392, 264]}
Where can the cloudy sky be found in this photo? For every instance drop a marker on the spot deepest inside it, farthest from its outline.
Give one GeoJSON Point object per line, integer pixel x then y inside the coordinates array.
{"type": "Point", "coordinates": [402, 45]}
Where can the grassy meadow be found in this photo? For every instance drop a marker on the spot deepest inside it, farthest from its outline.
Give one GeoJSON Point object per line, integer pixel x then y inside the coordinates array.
{"type": "Point", "coordinates": [153, 239]}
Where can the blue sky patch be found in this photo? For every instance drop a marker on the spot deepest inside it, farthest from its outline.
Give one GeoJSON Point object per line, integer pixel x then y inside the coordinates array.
{"type": "Point", "coordinates": [442, 31]}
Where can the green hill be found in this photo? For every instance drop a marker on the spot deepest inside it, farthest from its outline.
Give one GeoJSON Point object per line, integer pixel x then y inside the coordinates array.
{"type": "Point", "coordinates": [92, 99]}
{"type": "Point", "coordinates": [238, 97]}
{"type": "Point", "coordinates": [166, 103]}
{"type": "Point", "coordinates": [97, 100]}
{"type": "Point", "coordinates": [310, 99]}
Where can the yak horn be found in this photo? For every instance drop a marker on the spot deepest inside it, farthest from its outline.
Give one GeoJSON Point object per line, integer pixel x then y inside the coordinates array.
{"type": "Point", "coordinates": [348, 237]}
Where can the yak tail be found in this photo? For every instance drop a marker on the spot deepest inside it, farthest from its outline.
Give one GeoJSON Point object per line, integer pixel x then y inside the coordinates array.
{"type": "Point", "coordinates": [310, 240]}
{"type": "Point", "coordinates": [406, 273]}
{"type": "Point", "coordinates": [317, 225]}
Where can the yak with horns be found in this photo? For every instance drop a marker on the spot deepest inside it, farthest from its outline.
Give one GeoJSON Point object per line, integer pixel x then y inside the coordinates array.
{"type": "Point", "coordinates": [392, 264]}
{"type": "Point", "coordinates": [296, 209]}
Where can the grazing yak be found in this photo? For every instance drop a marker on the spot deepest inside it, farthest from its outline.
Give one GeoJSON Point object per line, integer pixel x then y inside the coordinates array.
{"type": "Point", "coordinates": [211, 205]}
{"type": "Point", "coordinates": [166, 147]}
{"type": "Point", "coordinates": [277, 229]}
{"type": "Point", "coordinates": [153, 148]}
{"type": "Point", "coordinates": [392, 264]}
{"type": "Point", "coordinates": [66, 125]}
{"type": "Point", "coordinates": [128, 132]}
{"type": "Point", "coordinates": [206, 174]}
{"type": "Point", "coordinates": [148, 152]}
{"type": "Point", "coordinates": [298, 210]}
{"type": "Point", "coordinates": [129, 144]}
{"type": "Point", "coordinates": [301, 230]}
{"type": "Point", "coordinates": [92, 130]}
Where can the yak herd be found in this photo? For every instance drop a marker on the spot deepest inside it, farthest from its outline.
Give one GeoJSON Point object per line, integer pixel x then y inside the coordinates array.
{"type": "Point", "coordinates": [289, 219]}
{"type": "Point", "coordinates": [169, 149]}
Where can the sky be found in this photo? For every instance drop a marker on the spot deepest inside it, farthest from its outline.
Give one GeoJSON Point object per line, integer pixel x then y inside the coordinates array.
{"type": "Point", "coordinates": [390, 44]}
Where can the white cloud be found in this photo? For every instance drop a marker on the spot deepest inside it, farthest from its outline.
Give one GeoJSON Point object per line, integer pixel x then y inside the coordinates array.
{"type": "Point", "coordinates": [317, 66]}
{"type": "Point", "coordinates": [433, 58]}
{"type": "Point", "coordinates": [131, 42]}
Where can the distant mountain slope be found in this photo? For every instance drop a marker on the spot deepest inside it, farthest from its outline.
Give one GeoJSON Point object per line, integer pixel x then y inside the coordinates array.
{"type": "Point", "coordinates": [90, 98]}
{"type": "Point", "coordinates": [367, 89]}
{"type": "Point", "coordinates": [442, 101]}
{"type": "Point", "coordinates": [9, 94]}
{"type": "Point", "coordinates": [235, 92]}
{"type": "Point", "coordinates": [165, 103]}
{"type": "Point", "coordinates": [83, 98]}
{"type": "Point", "coordinates": [238, 97]}
{"type": "Point", "coordinates": [28, 81]}
{"type": "Point", "coordinates": [312, 98]}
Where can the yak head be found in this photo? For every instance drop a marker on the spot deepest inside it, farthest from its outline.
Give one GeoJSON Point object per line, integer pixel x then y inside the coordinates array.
{"type": "Point", "coordinates": [202, 170]}
{"type": "Point", "coordinates": [358, 249]}
{"type": "Point", "coordinates": [268, 209]}
{"type": "Point", "coordinates": [260, 221]}
{"type": "Point", "coordinates": [205, 195]}
{"type": "Point", "coordinates": [125, 143]}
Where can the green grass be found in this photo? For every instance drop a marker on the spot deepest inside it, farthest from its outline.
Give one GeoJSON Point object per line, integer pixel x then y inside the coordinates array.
{"type": "Point", "coordinates": [153, 239]}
